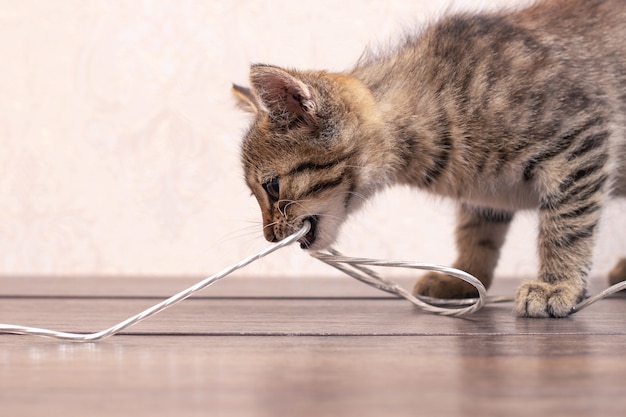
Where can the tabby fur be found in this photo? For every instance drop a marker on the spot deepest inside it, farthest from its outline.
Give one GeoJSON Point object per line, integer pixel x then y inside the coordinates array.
{"type": "Point", "coordinates": [501, 111]}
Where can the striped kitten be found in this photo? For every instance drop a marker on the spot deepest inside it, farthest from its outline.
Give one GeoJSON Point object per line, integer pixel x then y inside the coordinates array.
{"type": "Point", "coordinates": [500, 111]}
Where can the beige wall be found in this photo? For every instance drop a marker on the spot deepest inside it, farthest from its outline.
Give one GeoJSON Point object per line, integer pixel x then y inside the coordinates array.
{"type": "Point", "coordinates": [119, 139]}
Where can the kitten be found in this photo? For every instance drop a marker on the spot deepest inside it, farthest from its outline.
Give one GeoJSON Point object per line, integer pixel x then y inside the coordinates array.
{"type": "Point", "coordinates": [501, 111]}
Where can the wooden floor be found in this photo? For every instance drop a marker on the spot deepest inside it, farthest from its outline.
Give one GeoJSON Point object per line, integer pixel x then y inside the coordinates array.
{"type": "Point", "coordinates": [301, 347]}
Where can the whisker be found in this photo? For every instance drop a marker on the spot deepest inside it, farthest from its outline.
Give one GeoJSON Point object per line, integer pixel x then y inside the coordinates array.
{"type": "Point", "coordinates": [283, 212]}
{"type": "Point", "coordinates": [297, 202]}
{"type": "Point", "coordinates": [272, 224]}
{"type": "Point", "coordinates": [245, 232]}
{"type": "Point", "coordinates": [304, 216]}
{"type": "Point", "coordinates": [358, 195]}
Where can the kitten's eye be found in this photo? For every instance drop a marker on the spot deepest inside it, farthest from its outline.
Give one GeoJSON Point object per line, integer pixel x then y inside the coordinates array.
{"type": "Point", "coordinates": [272, 189]}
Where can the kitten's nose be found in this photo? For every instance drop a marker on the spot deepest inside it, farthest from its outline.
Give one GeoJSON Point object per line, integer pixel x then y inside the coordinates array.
{"type": "Point", "coordinates": [268, 232]}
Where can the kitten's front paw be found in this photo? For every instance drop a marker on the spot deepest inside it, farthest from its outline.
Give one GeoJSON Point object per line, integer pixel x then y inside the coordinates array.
{"type": "Point", "coordinates": [438, 285]}
{"type": "Point", "coordinates": [540, 299]}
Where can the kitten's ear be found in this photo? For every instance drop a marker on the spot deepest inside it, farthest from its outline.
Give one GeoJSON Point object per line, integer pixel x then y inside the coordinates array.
{"type": "Point", "coordinates": [281, 93]}
{"type": "Point", "coordinates": [245, 99]}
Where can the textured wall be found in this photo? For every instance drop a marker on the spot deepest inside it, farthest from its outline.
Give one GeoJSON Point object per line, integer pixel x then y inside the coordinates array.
{"type": "Point", "coordinates": [119, 138]}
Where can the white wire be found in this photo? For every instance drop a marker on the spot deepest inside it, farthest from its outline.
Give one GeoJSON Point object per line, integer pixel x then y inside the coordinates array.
{"type": "Point", "coordinates": [355, 267]}
{"type": "Point", "coordinates": [93, 337]}
{"type": "Point", "coordinates": [360, 271]}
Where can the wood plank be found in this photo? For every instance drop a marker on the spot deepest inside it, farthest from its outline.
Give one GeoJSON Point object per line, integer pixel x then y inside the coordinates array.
{"type": "Point", "coordinates": [232, 286]}
{"type": "Point", "coordinates": [307, 352]}
{"type": "Point", "coordinates": [531, 375]}
{"type": "Point", "coordinates": [163, 287]}
{"type": "Point", "coordinates": [301, 317]}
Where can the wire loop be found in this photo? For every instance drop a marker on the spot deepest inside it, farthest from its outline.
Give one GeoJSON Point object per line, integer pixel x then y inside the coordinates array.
{"type": "Point", "coordinates": [357, 268]}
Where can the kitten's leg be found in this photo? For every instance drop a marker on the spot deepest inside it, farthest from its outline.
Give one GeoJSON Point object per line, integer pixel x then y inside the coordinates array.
{"type": "Point", "coordinates": [568, 219]}
{"type": "Point", "coordinates": [618, 273]}
{"type": "Point", "coordinates": [480, 234]}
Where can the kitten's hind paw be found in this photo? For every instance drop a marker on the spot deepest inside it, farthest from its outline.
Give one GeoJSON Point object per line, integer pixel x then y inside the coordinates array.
{"type": "Point", "coordinates": [438, 285]}
{"type": "Point", "coordinates": [540, 299]}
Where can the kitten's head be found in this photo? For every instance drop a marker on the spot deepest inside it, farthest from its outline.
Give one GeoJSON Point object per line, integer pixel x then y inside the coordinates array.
{"type": "Point", "coordinates": [304, 156]}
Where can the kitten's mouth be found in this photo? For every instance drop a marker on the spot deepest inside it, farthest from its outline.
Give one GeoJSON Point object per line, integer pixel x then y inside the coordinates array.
{"type": "Point", "coordinates": [309, 239]}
